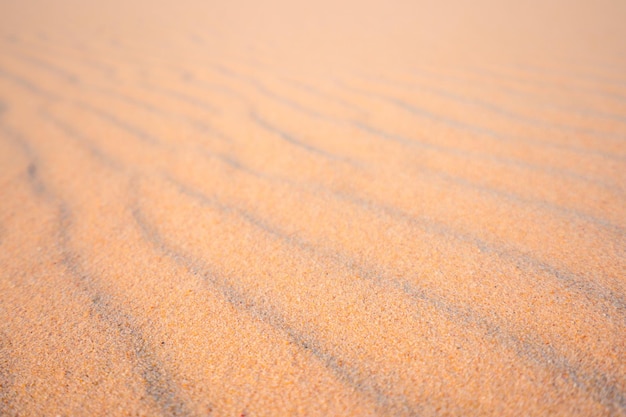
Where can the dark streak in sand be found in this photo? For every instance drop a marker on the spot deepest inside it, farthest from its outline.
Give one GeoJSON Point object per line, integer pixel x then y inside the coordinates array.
{"type": "Point", "coordinates": [159, 387]}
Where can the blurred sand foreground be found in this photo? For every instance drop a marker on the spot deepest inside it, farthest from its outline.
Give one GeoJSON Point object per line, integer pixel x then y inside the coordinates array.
{"type": "Point", "coordinates": [271, 208]}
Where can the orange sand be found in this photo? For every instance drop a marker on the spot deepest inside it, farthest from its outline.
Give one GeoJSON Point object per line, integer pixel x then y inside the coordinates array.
{"type": "Point", "coordinates": [271, 208]}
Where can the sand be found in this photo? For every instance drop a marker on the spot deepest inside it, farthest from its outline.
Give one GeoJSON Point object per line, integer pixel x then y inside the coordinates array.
{"type": "Point", "coordinates": [400, 208]}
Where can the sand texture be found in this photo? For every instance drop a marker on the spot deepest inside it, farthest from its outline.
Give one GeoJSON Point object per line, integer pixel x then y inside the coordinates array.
{"type": "Point", "coordinates": [330, 208]}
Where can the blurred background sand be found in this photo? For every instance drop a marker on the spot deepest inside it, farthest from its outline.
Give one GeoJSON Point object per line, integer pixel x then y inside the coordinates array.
{"type": "Point", "coordinates": [325, 208]}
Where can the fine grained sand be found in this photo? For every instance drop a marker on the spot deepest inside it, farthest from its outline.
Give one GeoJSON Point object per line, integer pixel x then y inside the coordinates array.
{"type": "Point", "coordinates": [270, 208]}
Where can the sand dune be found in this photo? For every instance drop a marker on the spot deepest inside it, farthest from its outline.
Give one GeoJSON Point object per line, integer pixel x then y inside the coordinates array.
{"type": "Point", "coordinates": [273, 208]}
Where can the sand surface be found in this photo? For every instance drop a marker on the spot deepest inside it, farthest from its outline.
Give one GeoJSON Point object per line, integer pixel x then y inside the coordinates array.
{"type": "Point", "coordinates": [255, 208]}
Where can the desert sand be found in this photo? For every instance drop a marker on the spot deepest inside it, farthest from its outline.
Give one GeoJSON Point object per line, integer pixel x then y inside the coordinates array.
{"type": "Point", "coordinates": [394, 208]}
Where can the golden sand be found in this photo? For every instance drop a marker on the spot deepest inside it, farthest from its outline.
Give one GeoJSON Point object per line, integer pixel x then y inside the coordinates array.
{"type": "Point", "coordinates": [333, 208]}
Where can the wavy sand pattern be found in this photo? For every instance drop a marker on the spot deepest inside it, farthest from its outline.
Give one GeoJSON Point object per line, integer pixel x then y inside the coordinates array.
{"type": "Point", "coordinates": [354, 208]}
